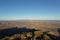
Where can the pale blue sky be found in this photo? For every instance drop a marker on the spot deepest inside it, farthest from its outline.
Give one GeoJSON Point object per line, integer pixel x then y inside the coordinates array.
{"type": "Point", "coordinates": [30, 9]}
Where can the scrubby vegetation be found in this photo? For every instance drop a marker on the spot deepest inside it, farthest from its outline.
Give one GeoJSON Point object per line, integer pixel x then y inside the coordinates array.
{"type": "Point", "coordinates": [27, 34]}
{"type": "Point", "coordinates": [30, 30]}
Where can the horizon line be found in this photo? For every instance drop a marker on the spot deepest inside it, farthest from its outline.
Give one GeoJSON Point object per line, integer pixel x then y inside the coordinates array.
{"type": "Point", "coordinates": [26, 19]}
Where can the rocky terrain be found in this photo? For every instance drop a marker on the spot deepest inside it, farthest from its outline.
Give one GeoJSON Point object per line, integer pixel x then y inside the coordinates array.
{"type": "Point", "coordinates": [30, 30]}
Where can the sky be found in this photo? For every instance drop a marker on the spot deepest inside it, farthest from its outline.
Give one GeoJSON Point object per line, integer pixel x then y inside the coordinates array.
{"type": "Point", "coordinates": [30, 9]}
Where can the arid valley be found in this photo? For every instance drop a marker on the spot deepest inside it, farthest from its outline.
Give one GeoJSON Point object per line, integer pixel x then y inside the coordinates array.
{"type": "Point", "coordinates": [30, 28]}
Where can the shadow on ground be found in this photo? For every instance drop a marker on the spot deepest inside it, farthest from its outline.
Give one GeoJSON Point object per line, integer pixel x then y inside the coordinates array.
{"type": "Point", "coordinates": [12, 31]}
